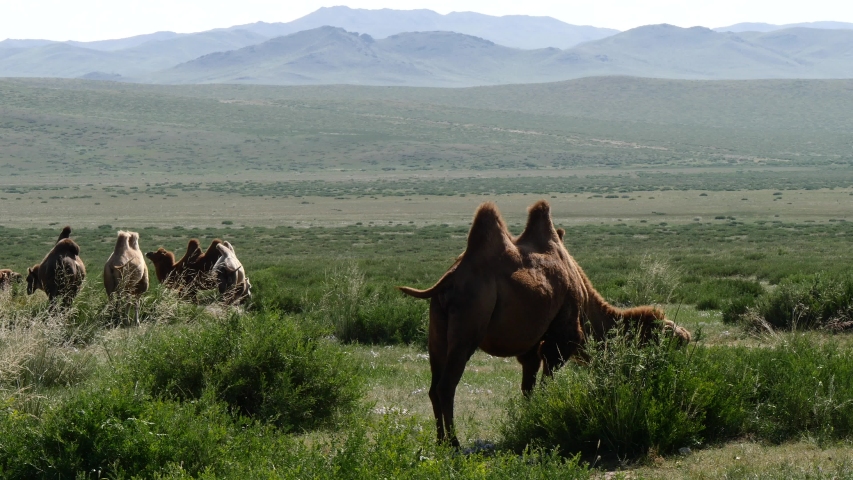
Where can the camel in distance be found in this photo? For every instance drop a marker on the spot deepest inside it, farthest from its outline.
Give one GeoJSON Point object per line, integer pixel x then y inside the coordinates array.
{"type": "Point", "coordinates": [61, 273]}
{"type": "Point", "coordinates": [126, 268]}
{"type": "Point", "coordinates": [193, 272]}
{"type": "Point", "coordinates": [8, 278]}
{"type": "Point", "coordinates": [522, 297]}
{"type": "Point", "coordinates": [231, 279]}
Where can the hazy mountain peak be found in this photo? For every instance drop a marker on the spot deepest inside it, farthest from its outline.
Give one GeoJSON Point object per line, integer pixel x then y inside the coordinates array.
{"type": "Point", "coordinates": [769, 27]}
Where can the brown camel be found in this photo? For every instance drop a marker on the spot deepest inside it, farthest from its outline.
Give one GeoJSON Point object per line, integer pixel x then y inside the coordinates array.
{"type": "Point", "coordinates": [234, 286]}
{"type": "Point", "coordinates": [60, 274]}
{"type": "Point", "coordinates": [168, 271]}
{"type": "Point", "coordinates": [193, 272]}
{"type": "Point", "coordinates": [8, 278]}
{"type": "Point", "coordinates": [524, 297]}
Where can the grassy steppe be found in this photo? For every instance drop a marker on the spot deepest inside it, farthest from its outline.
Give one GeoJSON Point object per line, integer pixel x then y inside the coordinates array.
{"type": "Point", "coordinates": [726, 202]}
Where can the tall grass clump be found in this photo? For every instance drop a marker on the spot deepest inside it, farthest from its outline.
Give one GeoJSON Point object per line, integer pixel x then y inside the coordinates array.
{"type": "Point", "coordinates": [36, 353]}
{"type": "Point", "coordinates": [358, 312]}
{"type": "Point", "coordinates": [655, 281]}
{"type": "Point", "coordinates": [263, 366]}
{"type": "Point", "coordinates": [633, 401]}
{"type": "Point", "coordinates": [817, 301]}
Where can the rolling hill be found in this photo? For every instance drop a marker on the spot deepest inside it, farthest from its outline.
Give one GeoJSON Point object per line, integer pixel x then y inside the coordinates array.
{"type": "Point", "coordinates": [59, 59]}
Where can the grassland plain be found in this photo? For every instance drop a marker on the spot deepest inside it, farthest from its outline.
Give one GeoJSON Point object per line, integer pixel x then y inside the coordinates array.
{"type": "Point", "coordinates": [334, 195]}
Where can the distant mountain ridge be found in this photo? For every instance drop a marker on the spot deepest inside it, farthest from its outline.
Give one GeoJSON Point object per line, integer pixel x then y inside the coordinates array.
{"type": "Point", "coordinates": [516, 31]}
{"type": "Point", "coordinates": [375, 53]}
{"type": "Point", "coordinates": [329, 55]}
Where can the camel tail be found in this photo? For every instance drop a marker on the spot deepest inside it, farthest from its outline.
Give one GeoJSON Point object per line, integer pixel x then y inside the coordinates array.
{"type": "Point", "coordinates": [414, 292]}
{"type": "Point", "coordinates": [431, 291]}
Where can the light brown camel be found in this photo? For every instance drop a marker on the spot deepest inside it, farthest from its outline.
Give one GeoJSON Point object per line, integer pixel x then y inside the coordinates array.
{"type": "Point", "coordinates": [126, 270]}
{"type": "Point", "coordinates": [60, 274]}
{"type": "Point", "coordinates": [193, 272]}
{"type": "Point", "coordinates": [524, 297]}
{"type": "Point", "coordinates": [8, 278]}
{"type": "Point", "coordinates": [234, 286]}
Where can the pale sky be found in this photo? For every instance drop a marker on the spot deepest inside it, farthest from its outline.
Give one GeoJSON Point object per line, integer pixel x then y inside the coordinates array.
{"type": "Point", "coordinates": [87, 20]}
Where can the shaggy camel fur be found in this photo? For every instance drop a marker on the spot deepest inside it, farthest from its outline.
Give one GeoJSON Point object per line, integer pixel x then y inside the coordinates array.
{"type": "Point", "coordinates": [524, 297]}
{"type": "Point", "coordinates": [126, 267]}
{"type": "Point", "coordinates": [193, 272]}
{"type": "Point", "coordinates": [60, 273]}
{"type": "Point", "coordinates": [234, 286]}
{"type": "Point", "coordinates": [8, 277]}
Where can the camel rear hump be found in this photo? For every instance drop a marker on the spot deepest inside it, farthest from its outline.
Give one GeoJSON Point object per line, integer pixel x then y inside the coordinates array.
{"type": "Point", "coordinates": [66, 246]}
{"type": "Point", "coordinates": [540, 228]}
{"type": "Point", "coordinates": [66, 233]}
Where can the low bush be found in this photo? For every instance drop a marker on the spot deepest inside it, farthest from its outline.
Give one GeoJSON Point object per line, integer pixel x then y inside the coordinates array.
{"type": "Point", "coordinates": [809, 302]}
{"type": "Point", "coordinates": [631, 400]}
{"type": "Point", "coordinates": [719, 293]}
{"type": "Point", "coordinates": [112, 430]}
{"type": "Point", "coordinates": [263, 366]}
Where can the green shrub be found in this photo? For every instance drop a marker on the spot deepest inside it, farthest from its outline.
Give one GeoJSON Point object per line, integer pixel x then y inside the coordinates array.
{"type": "Point", "coordinates": [356, 312]}
{"type": "Point", "coordinates": [632, 401]}
{"type": "Point", "coordinates": [111, 430]}
{"type": "Point", "coordinates": [655, 281]}
{"type": "Point", "coordinates": [718, 293]}
{"type": "Point", "coordinates": [263, 366]}
{"type": "Point", "coordinates": [814, 301]}
{"type": "Point", "coordinates": [628, 400]}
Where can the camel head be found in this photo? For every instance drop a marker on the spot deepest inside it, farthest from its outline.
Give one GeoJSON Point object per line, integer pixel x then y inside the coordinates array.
{"type": "Point", "coordinates": [33, 282]}
{"type": "Point", "coordinates": [164, 262]}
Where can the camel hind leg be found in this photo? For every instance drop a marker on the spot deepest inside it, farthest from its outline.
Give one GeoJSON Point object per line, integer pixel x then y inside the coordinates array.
{"type": "Point", "coordinates": [437, 348]}
{"type": "Point", "coordinates": [466, 327]}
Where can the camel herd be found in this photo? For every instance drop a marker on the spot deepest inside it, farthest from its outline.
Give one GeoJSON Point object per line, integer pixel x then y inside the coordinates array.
{"type": "Point", "coordinates": [61, 272]}
{"type": "Point", "coordinates": [523, 297]}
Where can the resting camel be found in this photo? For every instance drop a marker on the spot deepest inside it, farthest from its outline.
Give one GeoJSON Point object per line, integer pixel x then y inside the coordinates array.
{"type": "Point", "coordinates": [524, 297]}
{"type": "Point", "coordinates": [231, 277]}
{"type": "Point", "coordinates": [7, 278]}
{"type": "Point", "coordinates": [60, 273]}
{"type": "Point", "coordinates": [189, 274]}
